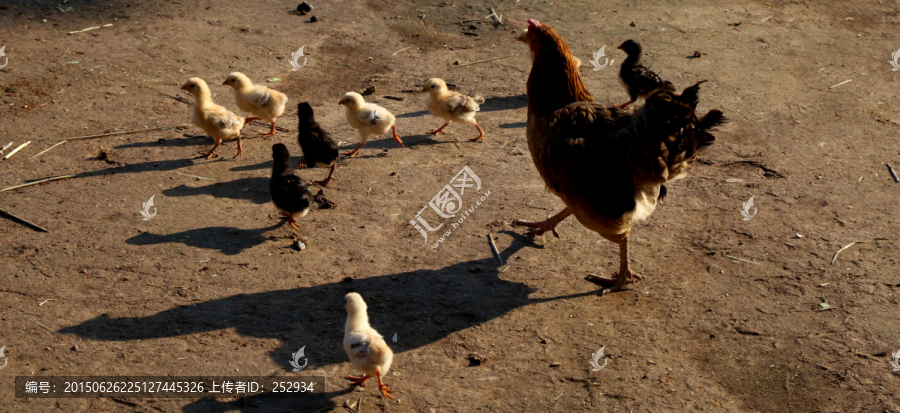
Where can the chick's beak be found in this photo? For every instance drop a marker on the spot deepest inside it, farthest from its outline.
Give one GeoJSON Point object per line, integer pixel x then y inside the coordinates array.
{"type": "Point", "coordinates": [424, 88]}
{"type": "Point", "coordinates": [225, 83]}
{"type": "Point", "coordinates": [185, 88]}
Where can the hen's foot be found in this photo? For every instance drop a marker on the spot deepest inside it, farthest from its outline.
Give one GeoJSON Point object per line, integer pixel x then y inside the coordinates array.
{"type": "Point", "coordinates": [539, 228]}
{"type": "Point", "coordinates": [324, 182]}
{"type": "Point", "coordinates": [624, 105]}
{"type": "Point", "coordinates": [615, 284]}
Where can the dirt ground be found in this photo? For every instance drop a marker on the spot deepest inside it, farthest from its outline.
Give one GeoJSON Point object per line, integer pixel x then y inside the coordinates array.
{"type": "Point", "coordinates": [211, 285]}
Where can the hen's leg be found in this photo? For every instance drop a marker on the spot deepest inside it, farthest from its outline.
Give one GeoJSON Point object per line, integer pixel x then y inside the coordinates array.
{"type": "Point", "coordinates": [544, 226]}
{"type": "Point", "coordinates": [271, 130]}
{"type": "Point", "coordinates": [439, 130]}
{"type": "Point", "coordinates": [381, 386]}
{"type": "Point", "coordinates": [625, 275]}
{"type": "Point", "coordinates": [353, 152]}
{"type": "Point", "coordinates": [358, 380]}
{"type": "Point", "coordinates": [480, 133]}
{"type": "Point", "coordinates": [396, 136]}
{"type": "Point", "coordinates": [327, 180]}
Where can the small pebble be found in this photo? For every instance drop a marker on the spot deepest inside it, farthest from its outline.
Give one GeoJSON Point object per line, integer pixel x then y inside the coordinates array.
{"type": "Point", "coordinates": [300, 246]}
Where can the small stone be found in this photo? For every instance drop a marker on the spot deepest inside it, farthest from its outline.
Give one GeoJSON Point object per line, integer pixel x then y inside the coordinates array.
{"type": "Point", "coordinates": [74, 348]}
{"type": "Point", "coordinates": [555, 364]}
{"type": "Point", "coordinates": [299, 246]}
{"type": "Point", "coordinates": [313, 19]}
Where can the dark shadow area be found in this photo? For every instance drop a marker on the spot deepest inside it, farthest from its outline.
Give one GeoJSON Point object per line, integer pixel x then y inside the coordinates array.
{"type": "Point", "coordinates": [413, 114]}
{"type": "Point", "coordinates": [169, 165]}
{"type": "Point", "coordinates": [255, 190]}
{"type": "Point", "coordinates": [504, 103]}
{"type": "Point", "coordinates": [423, 306]}
{"type": "Point", "coordinates": [177, 142]}
{"type": "Point", "coordinates": [230, 241]}
{"type": "Point", "coordinates": [513, 125]}
{"type": "Point", "coordinates": [88, 11]}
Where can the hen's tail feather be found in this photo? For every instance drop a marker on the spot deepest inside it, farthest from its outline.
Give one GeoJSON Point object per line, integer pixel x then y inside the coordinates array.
{"type": "Point", "coordinates": [707, 123]}
{"type": "Point", "coordinates": [691, 95]}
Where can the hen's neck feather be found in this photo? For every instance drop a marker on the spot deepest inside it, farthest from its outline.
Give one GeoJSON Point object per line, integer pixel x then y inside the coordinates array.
{"type": "Point", "coordinates": [554, 81]}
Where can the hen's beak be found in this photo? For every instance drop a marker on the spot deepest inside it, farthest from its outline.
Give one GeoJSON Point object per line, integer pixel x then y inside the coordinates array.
{"type": "Point", "coordinates": [523, 37]}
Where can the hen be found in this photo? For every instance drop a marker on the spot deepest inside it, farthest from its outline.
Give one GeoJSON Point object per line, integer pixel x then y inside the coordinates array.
{"type": "Point", "coordinates": [216, 121]}
{"type": "Point", "coordinates": [452, 106]}
{"type": "Point", "coordinates": [368, 118]}
{"type": "Point", "coordinates": [319, 149]}
{"type": "Point", "coordinates": [606, 163]}
{"type": "Point", "coordinates": [263, 103]}
{"type": "Point", "coordinates": [367, 350]}
{"type": "Point", "coordinates": [289, 192]}
{"type": "Point", "coordinates": [639, 81]}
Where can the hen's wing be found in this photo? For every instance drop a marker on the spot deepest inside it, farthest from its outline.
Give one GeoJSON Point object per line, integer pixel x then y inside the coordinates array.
{"type": "Point", "coordinates": [457, 104]}
{"type": "Point", "coordinates": [584, 158]}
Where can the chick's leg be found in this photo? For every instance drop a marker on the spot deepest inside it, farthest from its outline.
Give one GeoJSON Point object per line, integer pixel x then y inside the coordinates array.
{"type": "Point", "coordinates": [381, 386]}
{"type": "Point", "coordinates": [543, 226]}
{"type": "Point", "coordinates": [211, 153]}
{"type": "Point", "coordinates": [396, 136]}
{"type": "Point", "coordinates": [353, 152]}
{"type": "Point", "coordinates": [480, 133]}
{"type": "Point", "coordinates": [359, 380]}
{"type": "Point", "coordinates": [625, 275]}
{"type": "Point", "coordinates": [240, 147]}
{"type": "Point", "coordinates": [271, 131]}
{"type": "Point", "coordinates": [327, 180]}
{"type": "Point", "coordinates": [625, 105]}
{"type": "Point", "coordinates": [439, 130]}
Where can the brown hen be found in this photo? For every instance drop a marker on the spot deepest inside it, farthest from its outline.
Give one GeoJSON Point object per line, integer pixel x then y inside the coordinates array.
{"type": "Point", "coordinates": [607, 164]}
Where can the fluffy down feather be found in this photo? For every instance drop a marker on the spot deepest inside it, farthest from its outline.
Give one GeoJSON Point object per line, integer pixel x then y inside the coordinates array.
{"type": "Point", "coordinates": [367, 118]}
{"type": "Point", "coordinates": [215, 120]}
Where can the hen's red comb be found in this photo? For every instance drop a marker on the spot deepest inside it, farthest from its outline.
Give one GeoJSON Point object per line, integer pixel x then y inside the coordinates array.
{"type": "Point", "coordinates": [534, 23]}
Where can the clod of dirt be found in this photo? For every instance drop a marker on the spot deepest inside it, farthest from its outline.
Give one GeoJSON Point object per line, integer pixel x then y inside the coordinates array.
{"type": "Point", "coordinates": [323, 202]}
{"type": "Point", "coordinates": [476, 359]}
{"type": "Point", "coordinates": [304, 8]}
{"type": "Point", "coordinates": [313, 19]}
{"type": "Point", "coordinates": [74, 348]}
{"type": "Point", "coordinates": [555, 364]}
{"type": "Point", "coordinates": [106, 155]}
{"type": "Point", "coordinates": [299, 246]}
{"type": "Point", "coordinates": [367, 91]}
{"type": "Point", "coordinates": [631, 24]}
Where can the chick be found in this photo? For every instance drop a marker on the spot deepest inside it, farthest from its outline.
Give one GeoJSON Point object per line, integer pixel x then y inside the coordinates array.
{"type": "Point", "coordinates": [319, 149]}
{"type": "Point", "coordinates": [216, 121]}
{"type": "Point", "coordinates": [263, 103]}
{"type": "Point", "coordinates": [289, 192]}
{"type": "Point", "coordinates": [638, 80]}
{"type": "Point", "coordinates": [368, 118]}
{"type": "Point", "coordinates": [367, 350]}
{"type": "Point", "coordinates": [452, 106]}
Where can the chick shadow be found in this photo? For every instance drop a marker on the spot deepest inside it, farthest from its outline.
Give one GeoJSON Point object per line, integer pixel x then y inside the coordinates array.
{"type": "Point", "coordinates": [413, 114]}
{"type": "Point", "coordinates": [494, 104]}
{"type": "Point", "coordinates": [255, 190]}
{"type": "Point", "coordinates": [422, 306]}
{"type": "Point", "coordinates": [177, 142]}
{"type": "Point", "coordinates": [514, 125]}
{"type": "Point", "coordinates": [227, 240]}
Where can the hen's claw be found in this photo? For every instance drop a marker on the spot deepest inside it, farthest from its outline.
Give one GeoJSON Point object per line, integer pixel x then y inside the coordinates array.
{"type": "Point", "coordinates": [539, 228]}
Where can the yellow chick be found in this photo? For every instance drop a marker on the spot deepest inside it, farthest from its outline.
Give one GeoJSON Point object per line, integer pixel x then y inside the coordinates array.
{"type": "Point", "coordinates": [367, 350]}
{"type": "Point", "coordinates": [368, 118]}
{"type": "Point", "coordinates": [452, 106]}
{"type": "Point", "coordinates": [263, 103]}
{"type": "Point", "coordinates": [216, 121]}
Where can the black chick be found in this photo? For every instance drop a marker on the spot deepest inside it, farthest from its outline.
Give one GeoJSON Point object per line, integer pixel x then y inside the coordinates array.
{"type": "Point", "coordinates": [319, 149]}
{"type": "Point", "coordinates": [290, 193]}
{"type": "Point", "coordinates": [638, 80]}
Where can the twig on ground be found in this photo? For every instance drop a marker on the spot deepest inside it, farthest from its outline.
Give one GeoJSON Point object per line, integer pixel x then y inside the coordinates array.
{"type": "Point", "coordinates": [852, 244]}
{"type": "Point", "coordinates": [844, 82]}
{"type": "Point", "coordinates": [893, 174]}
{"type": "Point", "coordinates": [18, 148]}
{"type": "Point", "coordinates": [195, 176]}
{"type": "Point", "coordinates": [398, 51]}
{"type": "Point", "coordinates": [48, 149]}
{"type": "Point", "coordinates": [91, 28]}
{"type": "Point", "coordinates": [122, 133]}
{"type": "Point", "coordinates": [45, 301]}
{"type": "Point", "coordinates": [23, 220]}
{"type": "Point", "coordinates": [497, 16]}
{"type": "Point", "coordinates": [3, 149]}
{"type": "Point", "coordinates": [45, 327]}
{"type": "Point", "coordinates": [743, 260]}
{"type": "Point", "coordinates": [494, 249]}
{"type": "Point", "coordinates": [487, 60]}
{"type": "Point", "coordinates": [39, 181]}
